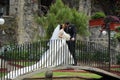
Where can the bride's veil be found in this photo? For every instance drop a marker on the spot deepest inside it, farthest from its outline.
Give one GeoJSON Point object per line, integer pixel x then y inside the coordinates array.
{"type": "Point", "coordinates": [54, 35]}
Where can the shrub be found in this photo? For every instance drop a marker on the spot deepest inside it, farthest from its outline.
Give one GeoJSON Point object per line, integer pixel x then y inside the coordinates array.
{"type": "Point", "coordinates": [30, 51]}
{"type": "Point", "coordinates": [117, 36]}
{"type": "Point", "coordinates": [118, 28]}
{"type": "Point", "coordinates": [101, 56]}
{"type": "Point", "coordinates": [118, 59]}
{"type": "Point", "coordinates": [98, 15]}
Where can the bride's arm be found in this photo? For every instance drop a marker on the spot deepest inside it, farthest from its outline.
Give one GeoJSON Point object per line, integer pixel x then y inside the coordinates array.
{"type": "Point", "coordinates": [60, 35]}
{"type": "Point", "coordinates": [66, 36]}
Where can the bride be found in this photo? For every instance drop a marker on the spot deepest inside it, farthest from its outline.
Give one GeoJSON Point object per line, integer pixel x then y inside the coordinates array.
{"type": "Point", "coordinates": [57, 54]}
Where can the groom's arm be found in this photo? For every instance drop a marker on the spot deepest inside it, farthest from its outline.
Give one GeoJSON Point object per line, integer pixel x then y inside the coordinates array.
{"type": "Point", "coordinates": [73, 37]}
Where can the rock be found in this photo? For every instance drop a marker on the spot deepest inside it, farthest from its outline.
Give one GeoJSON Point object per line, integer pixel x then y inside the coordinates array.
{"type": "Point", "coordinates": [48, 75]}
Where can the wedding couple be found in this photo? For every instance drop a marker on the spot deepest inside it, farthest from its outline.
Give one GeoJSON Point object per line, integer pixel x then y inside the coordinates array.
{"type": "Point", "coordinates": [61, 51]}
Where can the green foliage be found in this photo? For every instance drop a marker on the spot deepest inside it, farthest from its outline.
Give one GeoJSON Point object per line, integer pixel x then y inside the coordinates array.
{"type": "Point", "coordinates": [85, 51]}
{"type": "Point", "coordinates": [58, 6]}
{"type": "Point", "coordinates": [49, 30]}
{"type": "Point", "coordinates": [98, 15]}
{"type": "Point", "coordinates": [118, 59]}
{"type": "Point", "coordinates": [80, 20]}
{"type": "Point", "coordinates": [117, 36]}
{"type": "Point", "coordinates": [100, 56]}
{"type": "Point", "coordinates": [30, 51]}
{"type": "Point", "coordinates": [58, 14]}
{"type": "Point", "coordinates": [118, 28]}
{"type": "Point", "coordinates": [97, 56]}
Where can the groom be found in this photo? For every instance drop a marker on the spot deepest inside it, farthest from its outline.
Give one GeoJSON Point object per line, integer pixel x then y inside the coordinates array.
{"type": "Point", "coordinates": [71, 29]}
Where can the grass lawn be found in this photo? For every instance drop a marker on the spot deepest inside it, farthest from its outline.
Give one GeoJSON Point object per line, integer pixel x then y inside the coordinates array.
{"type": "Point", "coordinates": [115, 69]}
{"type": "Point", "coordinates": [2, 74]}
{"type": "Point", "coordinates": [62, 74]}
{"type": "Point", "coordinates": [24, 63]}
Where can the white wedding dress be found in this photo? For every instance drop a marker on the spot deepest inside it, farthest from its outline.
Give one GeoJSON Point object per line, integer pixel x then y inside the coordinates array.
{"type": "Point", "coordinates": [57, 54]}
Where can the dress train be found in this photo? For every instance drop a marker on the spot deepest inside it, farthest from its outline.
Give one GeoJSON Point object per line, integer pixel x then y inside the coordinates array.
{"type": "Point", "coordinates": [57, 54]}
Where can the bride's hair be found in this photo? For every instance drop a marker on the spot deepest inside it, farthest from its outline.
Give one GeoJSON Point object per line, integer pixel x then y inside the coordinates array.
{"type": "Point", "coordinates": [60, 26]}
{"type": "Point", "coordinates": [67, 22]}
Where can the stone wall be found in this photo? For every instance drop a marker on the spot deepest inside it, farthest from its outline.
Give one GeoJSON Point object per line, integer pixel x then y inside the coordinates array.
{"type": "Point", "coordinates": [85, 6]}
{"type": "Point", "coordinates": [24, 11]}
{"type": "Point", "coordinates": [13, 7]}
{"type": "Point", "coordinates": [8, 31]}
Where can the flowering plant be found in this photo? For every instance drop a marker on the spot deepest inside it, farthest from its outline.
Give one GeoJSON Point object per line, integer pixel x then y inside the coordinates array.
{"type": "Point", "coordinates": [118, 29]}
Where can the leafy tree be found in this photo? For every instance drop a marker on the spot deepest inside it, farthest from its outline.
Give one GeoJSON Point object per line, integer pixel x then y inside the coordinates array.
{"type": "Point", "coordinates": [58, 14]}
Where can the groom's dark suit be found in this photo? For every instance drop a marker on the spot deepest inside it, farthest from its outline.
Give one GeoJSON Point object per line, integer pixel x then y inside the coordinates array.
{"type": "Point", "coordinates": [71, 29]}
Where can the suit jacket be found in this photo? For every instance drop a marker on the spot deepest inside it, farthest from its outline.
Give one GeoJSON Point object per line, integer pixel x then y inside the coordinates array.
{"type": "Point", "coordinates": [71, 29]}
